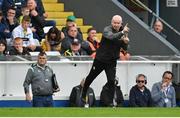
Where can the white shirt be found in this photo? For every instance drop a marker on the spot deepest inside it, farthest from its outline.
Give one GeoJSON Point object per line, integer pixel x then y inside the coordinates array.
{"type": "Point", "coordinates": [19, 32]}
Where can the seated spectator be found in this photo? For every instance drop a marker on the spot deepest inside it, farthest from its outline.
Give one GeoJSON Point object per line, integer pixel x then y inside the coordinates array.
{"type": "Point", "coordinates": [158, 27]}
{"type": "Point", "coordinates": [18, 48]}
{"type": "Point", "coordinates": [23, 31]}
{"type": "Point", "coordinates": [17, 4]}
{"type": "Point", "coordinates": [66, 42]}
{"type": "Point", "coordinates": [71, 21]}
{"type": "Point", "coordinates": [10, 20]}
{"type": "Point", "coordinates": [140, 95]}
{"type": "Point", "coordinates": [75, 49]}
{"type": "Point", "coordinates": [3, 50]}
{"type": "Point", "coordinates": [124, 55]}
{"type": "Point", "coordinates": [4, 30]}
{"type": "Point", "coordinates": [75, 96]}
{"type": "Point", "coordinates": [53, 40]}
{"type": "Point", "coordinates": [38, 21]}
{"type": "Point", "coordinates": [41, 11]}
{"type": "Point", "coordinates": [25, 12]}
{"type": "Point", "coordinates": [163, 93]}
{"type": "Point", "coordinates": [107, 100]}
{"type": "Point", "coordinates": [93, 41]}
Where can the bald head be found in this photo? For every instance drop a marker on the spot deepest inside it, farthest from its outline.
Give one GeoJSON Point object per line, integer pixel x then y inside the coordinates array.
{"type": "Point", "coordinates": [158, 26]}
{"type": "Point", "coordinates": [116, 22]}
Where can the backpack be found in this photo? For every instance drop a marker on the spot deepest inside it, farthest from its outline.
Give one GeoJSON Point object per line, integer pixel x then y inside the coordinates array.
{"type": "Point", "coordinates": [75, 97]}
{"type": "Point", "coordinates": [106, 97]}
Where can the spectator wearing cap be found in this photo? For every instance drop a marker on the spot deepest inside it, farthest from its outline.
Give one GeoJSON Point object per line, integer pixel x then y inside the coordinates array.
{"type": "Point", "coordinates": [71, 21]}
{"type": "Point", "coordinates": [75, 49]}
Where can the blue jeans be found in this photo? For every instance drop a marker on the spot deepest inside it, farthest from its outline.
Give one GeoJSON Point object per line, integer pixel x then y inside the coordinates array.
{"type": "Point", "coordinates": [50, 23]}
{"type": "Point", "coordinates": [43, 101]}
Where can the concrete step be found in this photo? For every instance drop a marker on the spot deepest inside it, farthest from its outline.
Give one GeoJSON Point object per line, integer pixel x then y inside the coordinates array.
{"type": "Point", "coordinates": [62, 21]}
{"type": "Point", "coordinates": [50, 7]}
{"type": "Point", "coordinates": [56, 15]}
{"type": "Point", "coordinates": [49, 1]}
{"type": "Point", "coordinates": [83, 28]}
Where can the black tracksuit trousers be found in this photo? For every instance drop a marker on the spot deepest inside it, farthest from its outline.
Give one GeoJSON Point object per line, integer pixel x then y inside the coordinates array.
{"type": "Point", "coordinates": [97, 68]}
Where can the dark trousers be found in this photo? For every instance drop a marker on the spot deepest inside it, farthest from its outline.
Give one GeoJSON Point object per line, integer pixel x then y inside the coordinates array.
{"type": "Point", "coordinates": [50, 23]}
{"type": "Point", "coordinates": [97, 68]}
{"type": "Point", "coordinates": [43, 101]}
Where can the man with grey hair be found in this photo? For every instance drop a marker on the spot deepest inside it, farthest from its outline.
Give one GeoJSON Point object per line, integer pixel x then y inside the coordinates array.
{"type": "Point", "coordinates": [158, 27]}
{"type": "Point", "coordinates": [107, 54]}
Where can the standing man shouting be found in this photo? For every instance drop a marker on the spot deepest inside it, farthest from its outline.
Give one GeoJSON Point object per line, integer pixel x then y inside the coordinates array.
{"type": "Point", "coordinates": [40, 78]}
{"type": "Point", "coordinates": [107, 54]}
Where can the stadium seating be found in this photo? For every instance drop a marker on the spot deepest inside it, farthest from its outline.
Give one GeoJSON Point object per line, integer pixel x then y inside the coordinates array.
{"type": "Point", "coordinates": [58, 14]}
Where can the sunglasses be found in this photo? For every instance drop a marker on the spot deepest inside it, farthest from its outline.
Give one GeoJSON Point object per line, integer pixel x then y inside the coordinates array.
{"type": "Point", "coordinates": [140, 81]}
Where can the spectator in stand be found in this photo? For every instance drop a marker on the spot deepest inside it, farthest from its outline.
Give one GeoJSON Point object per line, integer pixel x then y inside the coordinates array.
{"type": "Point", "coordinates": [10, 19]}
{"type": "Point", "coordinates": [66, 42]}
{"type": "Point", "coordinates": [75, 96]}
{"type": "Point", "coordinates": [38, 21]}
{"type": "Point", "coordinates": [23, 31]}
{"type": "Point", "coordinates": [18, 48]}
{"type": "Point", "coordinates": [158, 27]}
{"type": "Point", "coordinates": [53, 40]}
{"type": "Point", "coordinates": [124, 55]}
{"type": "Point", "coordinates": [3, 50]}
{"type": "Point", "coordinates": [17, 4]}
{"type": "Point", "coordinates": [25, 12]}
{"type": "Point", "coordinates": [163, 93]}
{"type": "Point", "coordinates": [75, 49]}
{"type": "Point", "coordinates": [3, 47]}
{"type": "Point", "coordinates": [93, 41]}
{"type": "Point", "coordinates": [140, 95]}
{"type": "Point", "coordinates": [4, 30]}
{"type": "Point", "coordinates": [71, 21]}
{"type": "Point", "coordinates": [41, 11]}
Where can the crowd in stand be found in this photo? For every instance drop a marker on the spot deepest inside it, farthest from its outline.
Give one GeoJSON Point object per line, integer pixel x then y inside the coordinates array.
{"type": "Point", "coordinates": [21, 32]}
{"type": "Point", "coordinates": [26, 19]}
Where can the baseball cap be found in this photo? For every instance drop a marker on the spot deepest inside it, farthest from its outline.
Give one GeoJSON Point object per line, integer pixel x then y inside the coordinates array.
{"type": "Point", "coordinates": [71, 18]}
{"type": "Point", "coordinates": [75, 42]}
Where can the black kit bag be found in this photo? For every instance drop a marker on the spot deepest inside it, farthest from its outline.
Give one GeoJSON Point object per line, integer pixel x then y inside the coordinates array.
{"type": "Point", "coordinates": [55, 84]}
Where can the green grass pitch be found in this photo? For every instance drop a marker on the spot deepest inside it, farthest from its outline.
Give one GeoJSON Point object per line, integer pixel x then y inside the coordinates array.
{"type": "Point", "coordinates": [90, 112]}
